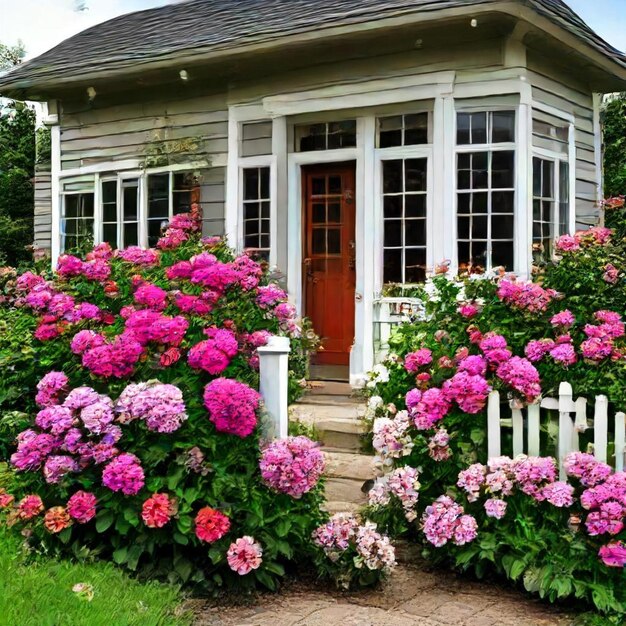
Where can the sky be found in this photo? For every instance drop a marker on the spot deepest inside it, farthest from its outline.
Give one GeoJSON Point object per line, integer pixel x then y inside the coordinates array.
{"type": "Point", "coordinates": [41, 24]}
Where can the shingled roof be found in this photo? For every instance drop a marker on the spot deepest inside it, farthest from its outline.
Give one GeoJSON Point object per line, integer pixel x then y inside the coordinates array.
{"type": "Point", "coordinates": [195, 27]}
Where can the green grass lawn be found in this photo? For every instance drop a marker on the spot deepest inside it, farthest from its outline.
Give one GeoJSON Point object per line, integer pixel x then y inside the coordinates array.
{"type": "Point", "coordinates": [38, 592]}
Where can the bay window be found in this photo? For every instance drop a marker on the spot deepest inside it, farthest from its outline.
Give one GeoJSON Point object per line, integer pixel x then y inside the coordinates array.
{"type": "Point", "coordinates": [485, 169]}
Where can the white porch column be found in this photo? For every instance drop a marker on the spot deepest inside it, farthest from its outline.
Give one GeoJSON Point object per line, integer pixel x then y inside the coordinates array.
{"type": "Point", "coordinates": [231, 211]}
{"type": "Point", "coordinates": [366, 223]}
{"type": "Point", "coordinates": [444, 207]}
{"type": "Point", "coordinates": [52, 121]}
{"type": "Point", "coordinates": [274, 385]}
{"type": "Point", "coordinates": [523, 185]}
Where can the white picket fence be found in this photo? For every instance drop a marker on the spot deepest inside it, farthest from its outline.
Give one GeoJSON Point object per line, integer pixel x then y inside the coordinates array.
{"type": "Point", "coordinates": [572, 421]}
{"type": "Point", "coordinates": [274, 386]}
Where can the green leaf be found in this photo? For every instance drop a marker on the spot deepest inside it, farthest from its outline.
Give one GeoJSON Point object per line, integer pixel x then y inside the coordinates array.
{"type": "Point", "coordinates": [265, 579]}
{"type": "Point", "coordinates": [104, 521]}
{"type": "Point", "coordinates": [216, 555]}
{"type": "Point", "coordinates": [275, 568]}
{"type": "Point", "coordinates": [283, 527]}
{"type": "Point", "coordinates": [119, 556]}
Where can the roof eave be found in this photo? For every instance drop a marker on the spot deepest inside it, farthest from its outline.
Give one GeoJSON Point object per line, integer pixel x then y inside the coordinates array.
{"type": "Point", "coordinates": [33, 89]}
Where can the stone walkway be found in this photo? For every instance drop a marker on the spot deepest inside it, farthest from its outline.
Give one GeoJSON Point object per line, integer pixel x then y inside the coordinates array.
{"type": "Point", "coordinates": [412, 597]}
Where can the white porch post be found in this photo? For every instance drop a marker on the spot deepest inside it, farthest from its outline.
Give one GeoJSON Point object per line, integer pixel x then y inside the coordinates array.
{"type": "Point", "coordinates": [445, 229]}
{"type": "Point", "coordinates": [524, 185]}
{"type": "Point", "coordinates": [274, 385]}
{"type": "Point", "coordinates": [231, 214]}
{"type": "Point", "coordinates": [52, 120]}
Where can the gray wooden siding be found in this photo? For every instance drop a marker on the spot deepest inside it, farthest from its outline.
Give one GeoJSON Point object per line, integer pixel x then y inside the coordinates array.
{"type": "Point", "coordinates": [548, 85]}
{"type": "Point", "coordinates": [155, 133]}
{"type": "Point", "coordinates": [43, 207]}
{"type": "Point", "coordinates": [213, 200]}
{"type": "Point", "coordinates": [256, 139]}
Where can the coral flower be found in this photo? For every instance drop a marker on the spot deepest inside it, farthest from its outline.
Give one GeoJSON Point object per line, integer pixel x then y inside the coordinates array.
{"type": "Point", "coordinates": [244, 555]}
{"type": "Point", "coordinates": [157, 510]}
{"type": "Point", "coordinates": [56, 519]}
{"type": "Point", "coordinates": [211, 525]}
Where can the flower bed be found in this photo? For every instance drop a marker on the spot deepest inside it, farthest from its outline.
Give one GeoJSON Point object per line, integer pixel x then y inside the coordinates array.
{"type": "Point", "coordinates": [139, 437]}
{"type": "Point", "coordinates": [427, 406]}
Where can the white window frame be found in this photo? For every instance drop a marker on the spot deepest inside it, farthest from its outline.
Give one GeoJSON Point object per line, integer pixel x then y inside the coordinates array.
{"type": "Point", "coordinates": [557, 158]}
{"type": "Point", "coordinates": [265, 161]}
{"type": "Point", "coordinates": [62, 219]}
{"type": "Point", "coordinates": [516, 147]}
{"type": "Point", "coordinates": [419, 151]}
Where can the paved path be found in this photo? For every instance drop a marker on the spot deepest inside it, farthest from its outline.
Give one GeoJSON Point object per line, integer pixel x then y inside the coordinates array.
{"type": "Point", "coordinates": [412, 597]}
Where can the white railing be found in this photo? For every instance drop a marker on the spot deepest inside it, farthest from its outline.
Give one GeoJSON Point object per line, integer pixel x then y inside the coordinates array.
{"type": "Point", "coordinates": [274, 385]}
{"type": "Point", "coordinates": [572, 421]}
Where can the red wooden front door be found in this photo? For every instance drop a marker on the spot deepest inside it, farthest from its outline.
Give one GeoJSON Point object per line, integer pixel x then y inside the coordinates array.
{"type": "Point", "coordinates": [329, 258]}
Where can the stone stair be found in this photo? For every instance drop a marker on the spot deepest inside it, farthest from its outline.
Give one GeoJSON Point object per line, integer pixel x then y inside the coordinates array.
{"type": "Point", "coordinates": [335, 414]}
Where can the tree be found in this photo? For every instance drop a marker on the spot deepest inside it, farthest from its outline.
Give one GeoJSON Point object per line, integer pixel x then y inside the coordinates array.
{"type": "Point", "coordinates": [614, 127]}
{"type": "Point", "coordinates": [17, 169]}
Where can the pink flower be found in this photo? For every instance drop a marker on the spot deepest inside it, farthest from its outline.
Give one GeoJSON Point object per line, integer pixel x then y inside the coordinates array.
{"type": "Point", "coordinates": [151, 296]}
{"type": "Point", "coordinates": [564, 319]}
{"type": "Point", "coordinates": [473, 365]}
{"type": "Point", "coordinates": [564, 354]}
{"type": "Point", "coordinates": [139, 256]}
{"type": "Point", "coordinates": [469, 391]}
{"type": "Point", "coordinates": [214, 355]}
{"type": "Point", "coordinates": [468, 310]}
{"type": "Point", "coordinates": [292, 466]}
{"type": "Point", "coordinates": [232, 406]}
{"type": "Point", "coordinates": [124, 473]}
{"type": "Point", "coordinates": [567, 243]}
{"type": "Point", "coordinates": [57, 467]}
{"type": "Point", "coordinates": [69, 265]}
{"type": "Point", "coordinates": [157, 510]}
{"type": "Point", "coordinates": [521, 375]}
{"type": "Point", "coordinates": [50, 387]}
{"type": "Point", "coordinates": [270, 296]}
{"type": "Point", "coordinates": [611, 274]}
{"type": "Point", "coordinates": [244, 555]}
{"type": "Point", "coordinates": [559, 494]}
{"type": "Point", "coordinates": [82, 506]}
{"type": "Point", "coordinates": [211, 525]}
{"type": "Point", "coordinates": [415, 360]}
{"type": "Point", "coordinates": [29, 507]}
{"type": "Point", "coordinates": [432, 407]}
{"type": "Point", "coordinates": [613, 554]}
{"type": "Point", "coordinates": [496, 508]}
{"type": "Point", "coordinates": [537, 349]}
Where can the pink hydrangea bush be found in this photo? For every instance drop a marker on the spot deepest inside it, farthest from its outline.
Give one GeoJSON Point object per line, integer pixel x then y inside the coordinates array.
{"type": "Point", "coordinates": [144, 439]}
{"type": "Point", "coordinates": [427, 407]}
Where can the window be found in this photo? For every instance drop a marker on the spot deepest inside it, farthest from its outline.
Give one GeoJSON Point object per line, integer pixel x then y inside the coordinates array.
{"type": "Point", "coordinates": [325, 136]}
{"type": "Point", "coordinates": [486, 190]}
{"type": "Point", "coordinates": [550, 205]}
{"type": "Point", "coordinates": [169, 194]}
{"type": "Point", "coordinates": [404, 216]}
{"type": "Point", "coordinates": [256, 210]}
{"type": "Point", "coordinates": [403, 130]}
{"type": "Point", "coordinates": [77, 220]}
{"type": "Point", "coordinates": [109, 212]}
{"type": "Point", "coordinates": [130, 213]}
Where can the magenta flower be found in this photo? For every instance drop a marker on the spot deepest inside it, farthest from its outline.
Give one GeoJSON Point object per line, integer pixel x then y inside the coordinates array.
{"type": "Point", "coordinates": [232, 406]}
{"type": "Point", "coordinates": [50, 388]}
{"type": "Point", "coordinates": [415, 360]}
{"type": "Point", "coordinates": [613, 554]}
{"type": "Point", "coordinates": [82, 506]}
{"type": "Point", "coordinates": [124, 473]}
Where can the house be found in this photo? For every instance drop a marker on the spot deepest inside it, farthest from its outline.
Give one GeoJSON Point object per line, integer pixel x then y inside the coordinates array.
{"type": "Point", "coordinates": [352, 143]}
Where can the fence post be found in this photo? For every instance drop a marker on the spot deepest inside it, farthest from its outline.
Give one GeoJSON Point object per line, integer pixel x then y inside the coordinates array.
{"type": "Point", "coordinates": [274, 384]}
{"type": "Point", "coordinates": [620, 440]}
{"type": "Point", "coordinates": [534, 429]}
{"type": "Point", "coordinates": [493, 425]}
{"type": "Point", "coordinates": [600, 428]}
{"type": "Point", "coordinates": [518, 430]}
{"type": "Point", "coordinates": [566, 426]}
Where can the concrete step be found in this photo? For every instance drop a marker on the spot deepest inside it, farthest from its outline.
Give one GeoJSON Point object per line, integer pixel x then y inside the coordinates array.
{"type": "Point", "coordinates": [337, 506]}
{"type": "Point", "coordinates": [317, 413]}
{"type": "Point", "coordinates": [323, 399]}
{"type": "Point", "coordinates": [345, 490]}
{"type": "Point", "coordinates": [328, 388]}
{"type": "Point", "coordinates": [342, 464]}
